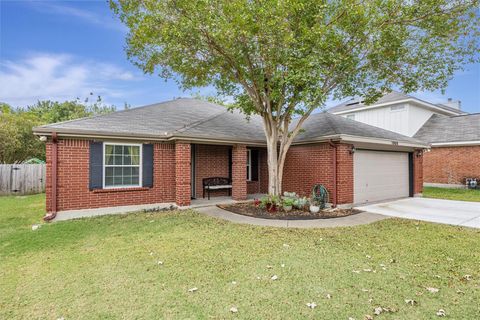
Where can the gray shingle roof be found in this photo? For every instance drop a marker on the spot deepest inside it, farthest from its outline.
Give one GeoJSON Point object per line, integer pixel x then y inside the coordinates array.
{"type": "Point", "coordinates": [450, 129]}
{"type": "Point", "coordinates": [158, 119]}
{"type": "Point", "coordinates": [393, 96]}
{"type": "Point", "coordinates": [195, 119]}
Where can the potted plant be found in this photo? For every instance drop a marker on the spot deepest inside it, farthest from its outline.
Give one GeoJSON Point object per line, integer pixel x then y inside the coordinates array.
{"type": "Point", "coordinates": [300, 203]}
{"type": "Point", "coordinates": [288, 204]}
{"type": "Point", "coordinates": [270, 203]}
{"type": "Point", "coordinates": [314, 206]}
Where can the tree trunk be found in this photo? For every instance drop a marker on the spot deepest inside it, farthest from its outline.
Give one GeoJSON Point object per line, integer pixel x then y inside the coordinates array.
{"type": "Point", "coordinates": [279, 140]}
{"type": "Point", "coordinates": [274, 185]}
{"type": "Point", "coordinates": [277, 148]}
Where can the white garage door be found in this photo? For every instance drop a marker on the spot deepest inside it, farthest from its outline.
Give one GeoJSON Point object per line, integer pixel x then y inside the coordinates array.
{"type": "Point", "coordinates": [380, 175]}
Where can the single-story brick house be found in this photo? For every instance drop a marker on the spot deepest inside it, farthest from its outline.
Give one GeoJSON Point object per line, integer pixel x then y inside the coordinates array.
{"type": "Point", "coordinates": [455, 149]}
{"type": "Point", "coordinates": [161, 153]}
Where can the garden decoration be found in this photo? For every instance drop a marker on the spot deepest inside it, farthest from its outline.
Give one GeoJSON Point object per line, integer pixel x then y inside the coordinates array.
{"type": "Point", "coordinates": [320, 195]}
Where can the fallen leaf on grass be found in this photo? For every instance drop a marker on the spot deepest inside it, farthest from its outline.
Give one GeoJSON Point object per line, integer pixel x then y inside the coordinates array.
{"type": "Point", "coordinates": [411, 302]}
{"type": "Point", "coordinates": [328, 296]}
{"type": "Point", "coordinates": [432, 290]}
{"type": "Point", "coordinates": [441, 313]}
{"type": "Point", "coordinates": [234, 282]}
{"type": "Point", "coordinates": [35, 227]}
{"type": "Point", "coordinates": [378, 310]}
{"type": "Point", "coordinates": [467, 277]}
{"type": "Point", "coordinates": [193, 289]}
{"type": "Point", "coordinates": [311, 305]}
{"type": "Point", "coordinates": [285, 245]}
{"type": "Point", "coordinates": [356, 271]}
{"type": "Point", "coordinates": [160, 262]}
{"type": "Point", "coordinates": [368, 317]}
{"type": "Point", "coordinates": [274, 277]}
{"type": "Point", "coordinates": [233, 310]}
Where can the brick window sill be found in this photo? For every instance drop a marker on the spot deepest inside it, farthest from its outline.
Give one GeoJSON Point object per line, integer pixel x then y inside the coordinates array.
{"type": "Point", "coordinates": [120, 189]}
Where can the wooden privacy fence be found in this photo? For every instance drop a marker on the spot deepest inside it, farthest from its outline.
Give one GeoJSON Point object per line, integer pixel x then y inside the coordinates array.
{"type": "Point", "coordinates": [22, 179]}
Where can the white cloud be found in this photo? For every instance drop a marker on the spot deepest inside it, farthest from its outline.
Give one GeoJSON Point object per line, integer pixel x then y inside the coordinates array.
{"type": "Point", "coordinates": [58, 77]}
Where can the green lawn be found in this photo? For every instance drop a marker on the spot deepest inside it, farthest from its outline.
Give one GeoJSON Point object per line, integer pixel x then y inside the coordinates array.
{"type": "Point", "coordinates": [106, 268]}
{"type": "Point", "coordinates": [452, 194]}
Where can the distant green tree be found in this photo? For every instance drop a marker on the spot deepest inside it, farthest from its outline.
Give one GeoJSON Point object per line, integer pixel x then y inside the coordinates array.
{"type": "Point", "coordinates": [5, 107]}
{"type": "Point", "coordinates": [17, 142]}
{"type": "Point", "coordinates": [53, 111]}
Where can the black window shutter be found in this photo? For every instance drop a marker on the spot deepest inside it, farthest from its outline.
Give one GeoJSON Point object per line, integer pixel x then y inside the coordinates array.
{"type": "Point", "coordinates": [96, 165]}
{"type": "Point", "coordinates": [147, 165]}
{"type": "Point", "coordinates": [254, 154]}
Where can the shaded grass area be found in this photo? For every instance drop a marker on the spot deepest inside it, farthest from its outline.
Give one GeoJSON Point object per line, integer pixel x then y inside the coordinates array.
{"type": "Point", "coordinates": [452, 194]}
{"type": "Point", "coordinates": [108, 268]}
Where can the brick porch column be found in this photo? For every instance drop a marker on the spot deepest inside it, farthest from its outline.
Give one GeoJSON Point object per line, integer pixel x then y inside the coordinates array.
{"type": "Point", "coordinates": [182, 174]}
{"type": "Point", "coordinates": [417, 173]}
{"type": "Point", "coordinates": [239, 172]}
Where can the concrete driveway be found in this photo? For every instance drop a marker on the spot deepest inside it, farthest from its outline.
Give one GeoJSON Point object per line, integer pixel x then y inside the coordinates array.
{"type": "Point", "coordinates": [459, 213]}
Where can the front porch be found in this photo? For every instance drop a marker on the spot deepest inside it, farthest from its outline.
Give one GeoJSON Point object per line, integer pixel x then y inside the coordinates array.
{"type": "Point", "coordinates": [243, 166]}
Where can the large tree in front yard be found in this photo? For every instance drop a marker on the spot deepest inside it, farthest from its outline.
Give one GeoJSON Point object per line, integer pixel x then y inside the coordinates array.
{"type": "Point", "coordinates": [282, 59]}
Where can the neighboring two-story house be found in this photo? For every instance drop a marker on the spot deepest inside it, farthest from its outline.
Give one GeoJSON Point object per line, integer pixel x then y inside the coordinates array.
{"type": "Point", "coordinates": [453, 134]}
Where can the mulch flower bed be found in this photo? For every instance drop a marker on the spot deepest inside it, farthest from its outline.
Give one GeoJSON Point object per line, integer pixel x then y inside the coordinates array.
{"type": "Point", "coordinates": [249, 209]}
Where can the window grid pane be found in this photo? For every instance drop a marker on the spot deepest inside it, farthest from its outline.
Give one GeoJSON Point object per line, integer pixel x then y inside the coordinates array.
{"type": "Point", "coordinates": [122, 165]}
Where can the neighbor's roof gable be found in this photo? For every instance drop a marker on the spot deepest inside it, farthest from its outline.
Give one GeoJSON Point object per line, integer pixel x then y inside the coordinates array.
{"type": "Point", "coordinates": [388, 99]}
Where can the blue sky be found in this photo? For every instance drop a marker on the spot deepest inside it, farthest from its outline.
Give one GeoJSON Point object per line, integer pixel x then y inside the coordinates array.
{"type": "Point", "coordinates": [61, 50]}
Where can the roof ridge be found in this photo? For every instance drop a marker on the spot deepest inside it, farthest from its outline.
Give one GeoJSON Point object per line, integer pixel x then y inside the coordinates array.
{"type": "Point", "coordinates": [199, 122]}
{"type": "Point", "coordinates": [466, 115]}
{"type": "Point", "coordinates": [329, 122]}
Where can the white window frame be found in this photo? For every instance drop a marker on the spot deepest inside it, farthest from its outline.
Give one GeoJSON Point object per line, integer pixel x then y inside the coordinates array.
{"type": "Point", "coordinates": [249, 165]}
{"type": "Point", "coordinates": [140, 165]}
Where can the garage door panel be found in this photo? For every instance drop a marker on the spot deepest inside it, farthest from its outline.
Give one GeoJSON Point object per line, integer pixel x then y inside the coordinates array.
{"type": "Point", "coordinates": [380, 175]}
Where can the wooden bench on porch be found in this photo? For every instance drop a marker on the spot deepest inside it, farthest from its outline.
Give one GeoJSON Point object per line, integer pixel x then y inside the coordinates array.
{"type": "Point", "coordinates": [216, 183]}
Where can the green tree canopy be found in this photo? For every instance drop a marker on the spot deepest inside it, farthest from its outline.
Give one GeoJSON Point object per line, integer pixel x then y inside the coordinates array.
{"type": "Point", "coordinates": [17, 142]}
{"type": "Point", "coordinates": [282, 59]}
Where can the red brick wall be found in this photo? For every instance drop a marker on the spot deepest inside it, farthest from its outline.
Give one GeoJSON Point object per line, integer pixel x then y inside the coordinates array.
{"type": "Point", "coordinates": [182, 174]}
{"type": "Point", "coordinates": [210, 161]}
{"type": "Point", "coordinates": [312, 164]}
{"type": "Point", "coordinates": [344, 174]}
{"type": "Point", "coordinates": [417, 173]}
{"type": "Point", "coordinates": [239, 172]}
{"type": "Point", "coordinates": [73, 179]}
{"type": "Point", "coordinates": [451, 165]}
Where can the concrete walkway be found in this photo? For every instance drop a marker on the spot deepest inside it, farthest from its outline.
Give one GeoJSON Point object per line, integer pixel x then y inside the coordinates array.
{"type": "Point", "coordinates": [355, 220]}
{"type": "Point", "coordinates": [459, 213]}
